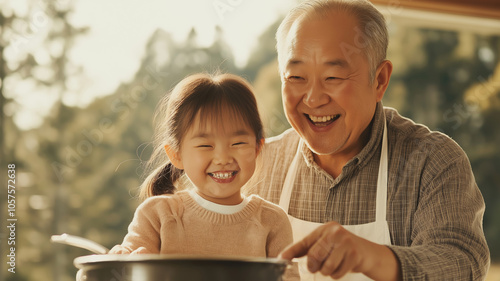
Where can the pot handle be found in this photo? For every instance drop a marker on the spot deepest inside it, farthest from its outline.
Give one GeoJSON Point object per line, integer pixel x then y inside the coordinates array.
{"type": "Point", "coordinates": [79, 242]}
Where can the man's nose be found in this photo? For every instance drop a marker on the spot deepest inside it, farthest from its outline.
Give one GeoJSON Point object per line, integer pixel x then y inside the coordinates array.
{"type": "Point", "coordinates": [315, 95]}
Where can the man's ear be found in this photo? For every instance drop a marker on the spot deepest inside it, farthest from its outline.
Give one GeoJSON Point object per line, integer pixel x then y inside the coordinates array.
{"type": "Point", "coordinates": [174, 157]}
{"type": "Point", "coordinates": [382, 77]}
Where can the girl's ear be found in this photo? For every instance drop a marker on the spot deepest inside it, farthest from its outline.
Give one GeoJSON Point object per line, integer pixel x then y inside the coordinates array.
{"type": "Point", "coordinates": [174, 157]}
{"type": "Point", "coordinates": [261, 145]}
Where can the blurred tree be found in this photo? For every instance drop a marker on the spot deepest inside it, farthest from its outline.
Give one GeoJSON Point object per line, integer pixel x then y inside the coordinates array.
{"type": "Point", "coordinates": [484, 97]}
{"type": "Point", "coordinates": [267, 87]}
{"type": "Point", "coordinates": [34, 43]}
{"type": "Point", "coordinates": [264, 53]}
{"type": "Point", "coordinates": [220, 55]}
{"type": "Point", "coordinates": [262, 70]}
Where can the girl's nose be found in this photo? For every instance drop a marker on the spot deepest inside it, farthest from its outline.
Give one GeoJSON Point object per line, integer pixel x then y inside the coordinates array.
{"type": "Point", "coordinates": [222, 157]}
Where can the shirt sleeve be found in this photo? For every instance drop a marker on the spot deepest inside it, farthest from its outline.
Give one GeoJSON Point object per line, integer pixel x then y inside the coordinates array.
{"type": "Point", "coordinates": [143, 235]}
{"type": "Point", "coordinates": [448, 241]}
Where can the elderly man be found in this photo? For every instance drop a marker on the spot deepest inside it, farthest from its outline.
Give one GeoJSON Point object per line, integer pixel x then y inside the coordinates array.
{"type": "Point", "coordinates": [371, 194]}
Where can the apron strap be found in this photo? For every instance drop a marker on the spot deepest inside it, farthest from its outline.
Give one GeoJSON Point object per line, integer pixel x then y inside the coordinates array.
{"type": "Point", "coordinates": [286, 191]}
{"type": "Point", "coordinates": [382, 179]}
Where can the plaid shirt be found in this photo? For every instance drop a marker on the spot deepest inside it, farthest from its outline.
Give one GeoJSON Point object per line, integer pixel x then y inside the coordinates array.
{"type": "Point", "coordinates": [434, 207]}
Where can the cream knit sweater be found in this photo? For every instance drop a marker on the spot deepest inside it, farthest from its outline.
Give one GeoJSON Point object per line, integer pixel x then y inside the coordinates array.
{"type": "Point", "coordinates": [176, 224]}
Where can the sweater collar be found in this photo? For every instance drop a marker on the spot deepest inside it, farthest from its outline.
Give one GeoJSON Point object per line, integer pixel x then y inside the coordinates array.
{"type": "Point", "coordinates": [217, 208]}
{"type": "Point", "coordinates": [253, 205]}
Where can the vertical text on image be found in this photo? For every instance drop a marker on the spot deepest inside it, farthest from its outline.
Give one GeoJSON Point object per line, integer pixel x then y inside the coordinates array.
{"type": "Point", "coordinates": [11, 217]}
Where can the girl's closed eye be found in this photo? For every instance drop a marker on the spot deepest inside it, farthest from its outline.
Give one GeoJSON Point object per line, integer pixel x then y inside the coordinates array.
{"type": "Point", "coordinates": [204, 146]}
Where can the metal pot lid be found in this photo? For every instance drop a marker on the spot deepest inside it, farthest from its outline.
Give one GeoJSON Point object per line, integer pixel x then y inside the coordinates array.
{"type": "Point", "coordinates": [82, 261]}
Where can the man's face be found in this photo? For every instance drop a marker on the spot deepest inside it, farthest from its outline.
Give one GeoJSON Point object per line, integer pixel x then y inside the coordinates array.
{"type": "Point", "coordinates": [327, 93]}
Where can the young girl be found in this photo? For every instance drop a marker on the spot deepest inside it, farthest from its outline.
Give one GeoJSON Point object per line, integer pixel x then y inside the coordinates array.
{"type": "Point", "coordinates": [211, 131]}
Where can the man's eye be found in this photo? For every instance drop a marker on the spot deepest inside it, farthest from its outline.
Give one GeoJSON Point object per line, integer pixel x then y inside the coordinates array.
{"type": "Point", "coordinates": [204, 145]}
{"type": "Point", "coordinates": [239, 143]}
{"type": "Point", "coordinates": [331, 78]}
{"type": "Point", "coordinates": [294, 77]}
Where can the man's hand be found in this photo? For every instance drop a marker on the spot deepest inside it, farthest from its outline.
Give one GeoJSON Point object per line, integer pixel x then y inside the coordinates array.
{"type": "Point", "coordinates": [334, 251]}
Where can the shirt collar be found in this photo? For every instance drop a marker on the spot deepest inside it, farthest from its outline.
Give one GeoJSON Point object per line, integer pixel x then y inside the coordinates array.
{"type": "Point", "coordinates": [361, 159]}
{"type": "Point", "coordinates": [376, 133]}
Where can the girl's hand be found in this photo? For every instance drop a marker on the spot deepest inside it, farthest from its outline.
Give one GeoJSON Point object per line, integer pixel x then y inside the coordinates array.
{"type": "Point", "coordinates": [140, 250]}
{"type": "Point", "coordinates": [119, 250]}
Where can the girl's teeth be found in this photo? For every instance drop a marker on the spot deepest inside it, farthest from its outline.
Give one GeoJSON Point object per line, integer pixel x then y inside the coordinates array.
{"type": "Point", "coordinates": [222, 175]}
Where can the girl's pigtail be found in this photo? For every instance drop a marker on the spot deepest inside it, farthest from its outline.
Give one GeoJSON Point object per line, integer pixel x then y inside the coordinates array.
{"type": "Point", "coordinates": [161, 181]}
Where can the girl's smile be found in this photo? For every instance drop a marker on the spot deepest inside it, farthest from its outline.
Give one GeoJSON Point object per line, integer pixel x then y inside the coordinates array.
{"type": "Point", "coordinates": [223, 176]}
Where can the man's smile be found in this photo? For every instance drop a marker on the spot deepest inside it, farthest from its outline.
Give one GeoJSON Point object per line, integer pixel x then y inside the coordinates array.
{"type": "Point", "coordinates": [322, 121]}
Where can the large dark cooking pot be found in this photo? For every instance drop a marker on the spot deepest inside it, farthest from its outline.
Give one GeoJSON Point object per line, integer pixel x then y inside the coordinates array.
{"type": "Point", "coordinates": [178, 268]}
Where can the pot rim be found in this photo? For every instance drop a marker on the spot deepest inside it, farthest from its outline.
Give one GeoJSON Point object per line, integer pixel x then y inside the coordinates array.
{"type": "Point", "coordinates": [82, 261]}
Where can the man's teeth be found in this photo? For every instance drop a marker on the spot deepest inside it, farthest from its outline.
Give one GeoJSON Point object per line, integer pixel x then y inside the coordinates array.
{"type": "Point", "coordinates": [317, 119]}
{"type": "Point", "coordinates": [222, 175]}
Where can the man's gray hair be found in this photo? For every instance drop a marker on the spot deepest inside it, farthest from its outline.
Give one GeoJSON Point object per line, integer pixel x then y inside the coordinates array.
{"type": "Point", "coordinates": [371, 30]}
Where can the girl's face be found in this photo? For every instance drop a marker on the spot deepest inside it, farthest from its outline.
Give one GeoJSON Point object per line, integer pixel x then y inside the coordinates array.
{"type": "Point", "coordinates": [218, 158]}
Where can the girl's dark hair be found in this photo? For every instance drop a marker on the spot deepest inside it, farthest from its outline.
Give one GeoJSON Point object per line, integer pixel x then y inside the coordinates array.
{"type": "Point", "coordinates": [213, 98]}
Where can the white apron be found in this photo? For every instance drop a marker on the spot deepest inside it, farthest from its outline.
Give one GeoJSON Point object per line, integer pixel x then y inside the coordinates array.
{"type": "Point", "coordinates": [377, 231]}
